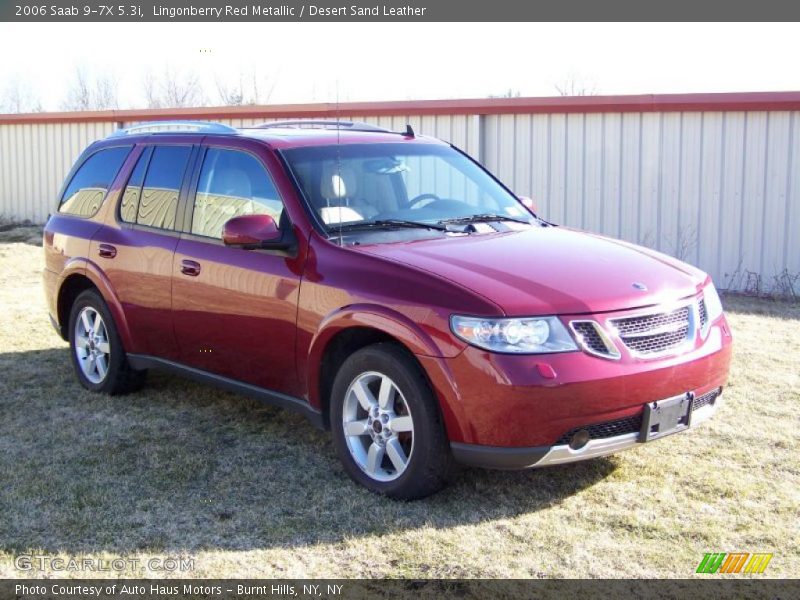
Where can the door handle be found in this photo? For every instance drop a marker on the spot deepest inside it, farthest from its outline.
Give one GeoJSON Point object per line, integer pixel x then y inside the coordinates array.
{"type": "Point", "coordinates": [106, 250]}
{"type": "Point", "coordinates": [190, 267]}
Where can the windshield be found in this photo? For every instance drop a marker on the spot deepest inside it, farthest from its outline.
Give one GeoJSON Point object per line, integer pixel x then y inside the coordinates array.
{"type": "Point", "coordinates": [360, 184]}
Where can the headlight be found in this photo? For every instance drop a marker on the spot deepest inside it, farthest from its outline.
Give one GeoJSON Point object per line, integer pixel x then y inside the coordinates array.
{"type": "Point", "coordinates": [713, 303]}
{"type": "Point", "coordinates": [519, 336]}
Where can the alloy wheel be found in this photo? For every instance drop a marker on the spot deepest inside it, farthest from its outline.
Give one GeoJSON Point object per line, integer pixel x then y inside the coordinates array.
{"type": "Point", "coordinates": [92, 348]}
{"type": "Point", "coordinates": [378, 426]}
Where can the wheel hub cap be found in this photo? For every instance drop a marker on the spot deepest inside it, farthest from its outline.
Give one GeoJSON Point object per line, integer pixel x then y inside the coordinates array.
{"type": "Point", "coordinates": [92, 348]}
{"type": "Point", "coordinates": [378, 426]}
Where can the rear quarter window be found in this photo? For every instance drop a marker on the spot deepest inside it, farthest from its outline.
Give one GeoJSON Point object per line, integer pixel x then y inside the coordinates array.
{"type": "Point", "coordinates": [88, 187]}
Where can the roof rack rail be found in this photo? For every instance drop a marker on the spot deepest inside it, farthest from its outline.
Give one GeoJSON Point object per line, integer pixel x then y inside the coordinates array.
{"type": "Point", "coordinates": [176, 127]}
{"type": "Point", "coordinates": [322, 124]}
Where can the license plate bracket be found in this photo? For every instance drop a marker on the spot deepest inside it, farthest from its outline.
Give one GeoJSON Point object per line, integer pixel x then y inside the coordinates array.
{"type": "Point", "coordinates": [665, 417]}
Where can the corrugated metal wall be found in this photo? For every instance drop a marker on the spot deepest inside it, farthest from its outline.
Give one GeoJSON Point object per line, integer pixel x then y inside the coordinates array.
{"type": "Point", "coordinates": [718, 189]}
{"type": "Point", "coordinates": [34, 159]}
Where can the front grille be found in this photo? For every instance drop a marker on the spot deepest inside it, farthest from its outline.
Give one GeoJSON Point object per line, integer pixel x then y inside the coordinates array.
{"type": "Point", "coordinates": [590, 338]}
{"type": "Point", "coordinates": [653, 344]}
{"type": "Point", "coordinates": [701, 308]}
{"type": "Point", "coordinates": [655, 333]}
{"type": "Point", "coordinates": [644, 323]}
{"type": "Point", "coordinates": [705, 399]}
{"type": "Point", "coordinates": [609, 429]}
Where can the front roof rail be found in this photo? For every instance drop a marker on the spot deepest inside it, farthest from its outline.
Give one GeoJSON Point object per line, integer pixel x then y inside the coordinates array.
{"type": "Point", "coordinates": [202, 127]}
{"type": "Point", "coordinates": [323, 124]}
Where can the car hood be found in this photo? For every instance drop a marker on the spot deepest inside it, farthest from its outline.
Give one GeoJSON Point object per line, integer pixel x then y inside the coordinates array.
{"type": "Point", "coordinates": [550, 270]}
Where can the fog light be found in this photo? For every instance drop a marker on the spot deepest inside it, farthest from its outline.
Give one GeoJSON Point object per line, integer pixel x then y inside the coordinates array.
{"type": "Point", "coordinates": [580, 439]}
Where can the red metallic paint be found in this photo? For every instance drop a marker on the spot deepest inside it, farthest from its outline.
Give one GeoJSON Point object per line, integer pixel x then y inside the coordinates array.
{"type": "Point", "coordinates": [267, 317]}
{"type": "Point", "coordinates": [250, 230]}
{"type": "Point", "coordinates": [344, 285]}
{"type": "Point", "coordinates": [141, 274]}
{"type": "Point", "coordinates": [237, 317]}
{"type": "Point", "coordinates": [507, 402]}
{"type": "Point", "coordinates": [549, 271]}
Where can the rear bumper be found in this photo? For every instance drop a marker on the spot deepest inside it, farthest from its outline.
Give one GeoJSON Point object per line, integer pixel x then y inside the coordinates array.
{"type": "Point", "coordinates": [492, 457]}
{"type": "Point", "coordinates": [50, 285]}
{"type": "Point", "coordinates": [55, 325]}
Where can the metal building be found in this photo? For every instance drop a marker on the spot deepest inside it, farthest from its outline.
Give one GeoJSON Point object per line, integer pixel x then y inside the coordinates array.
{"type": "Point", "coordinates": [711, 178]}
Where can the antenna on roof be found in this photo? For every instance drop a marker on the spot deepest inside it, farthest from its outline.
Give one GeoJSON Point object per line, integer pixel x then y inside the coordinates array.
{"type": "Point", "coordinates": [339, 181]}
{"type": "Point", "coordinates": [409, 132]}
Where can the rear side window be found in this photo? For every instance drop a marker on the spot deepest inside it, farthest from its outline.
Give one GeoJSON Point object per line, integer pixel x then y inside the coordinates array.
{"type": "Point", "coordinates": [133, 191]}
{"type": "Point", "coordinates": [87, 189]}
{"type": "Point", "coordinates": [158, 201]}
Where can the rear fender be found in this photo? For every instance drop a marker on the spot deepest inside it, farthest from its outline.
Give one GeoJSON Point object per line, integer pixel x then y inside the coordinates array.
{"type": "Point", "coordinates": [88, 269]}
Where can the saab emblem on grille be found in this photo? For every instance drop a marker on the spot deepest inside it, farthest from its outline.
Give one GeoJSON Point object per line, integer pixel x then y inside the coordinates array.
{"type": "Point", "coordinates": [640, 286]}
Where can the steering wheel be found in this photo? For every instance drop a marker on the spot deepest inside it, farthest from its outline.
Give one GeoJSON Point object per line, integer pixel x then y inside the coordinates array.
{"type": "Point", "coordinates": [417, 199]}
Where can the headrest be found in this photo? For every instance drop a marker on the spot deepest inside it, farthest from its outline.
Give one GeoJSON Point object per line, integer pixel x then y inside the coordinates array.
{"type": "Point", "coordinates": [338, 183]}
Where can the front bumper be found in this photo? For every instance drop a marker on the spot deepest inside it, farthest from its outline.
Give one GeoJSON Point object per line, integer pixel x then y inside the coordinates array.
{"type": "Point", "coordinates": [519, 402]}
{"type": "Point", "coordinates": [491, 457]}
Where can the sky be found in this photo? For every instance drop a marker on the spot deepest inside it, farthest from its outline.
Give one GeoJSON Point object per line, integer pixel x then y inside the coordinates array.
{"type": "Point", "coordinates": [315, 62]}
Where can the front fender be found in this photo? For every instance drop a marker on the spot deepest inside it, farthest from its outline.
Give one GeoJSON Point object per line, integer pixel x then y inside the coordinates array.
{"type": "Point", "coordinates": [409, 333]}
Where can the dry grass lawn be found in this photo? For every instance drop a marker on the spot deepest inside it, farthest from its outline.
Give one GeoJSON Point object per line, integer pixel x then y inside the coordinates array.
{"type": "Point", "coordinates": [182, 469]}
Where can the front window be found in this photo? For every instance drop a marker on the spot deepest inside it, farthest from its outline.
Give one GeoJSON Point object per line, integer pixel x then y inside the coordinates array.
{"type": "Point", "coordinates": [232, 183]}
{"type": "Point", "coordinates": [362, 184]}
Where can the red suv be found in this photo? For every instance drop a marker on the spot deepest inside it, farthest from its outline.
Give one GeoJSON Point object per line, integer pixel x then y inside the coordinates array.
{"type": "Point", "coordinates": [383, 284]}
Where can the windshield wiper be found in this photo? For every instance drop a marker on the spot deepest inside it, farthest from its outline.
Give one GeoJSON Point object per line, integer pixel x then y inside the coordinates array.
{"type": "Point", "coordinates": [483, 218]}
{"type": "Point", "coordinates": [386, 224]}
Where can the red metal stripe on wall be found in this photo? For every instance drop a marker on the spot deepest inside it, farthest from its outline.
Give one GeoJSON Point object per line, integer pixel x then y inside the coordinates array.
{"type": "Point", "coordinates": [746, 101]}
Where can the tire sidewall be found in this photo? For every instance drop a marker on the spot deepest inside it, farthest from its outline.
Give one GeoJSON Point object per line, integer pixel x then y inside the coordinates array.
{"type": "Point", "coordinates": [92, 299]}
{"type": "Point", "coordinates": [392, 361]}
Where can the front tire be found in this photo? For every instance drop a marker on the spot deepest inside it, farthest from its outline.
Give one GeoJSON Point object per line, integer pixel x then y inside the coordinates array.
{"type": "Point", "coordinates": [97, 354]}
{"type": "Point", "coordinates": [387, 428]}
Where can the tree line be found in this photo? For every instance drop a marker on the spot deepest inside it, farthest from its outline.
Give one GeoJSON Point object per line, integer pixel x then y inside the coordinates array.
{"type": "Point", "coordinates": [178, 88]}
{"type": "Point", "coordinates": [169, 88]}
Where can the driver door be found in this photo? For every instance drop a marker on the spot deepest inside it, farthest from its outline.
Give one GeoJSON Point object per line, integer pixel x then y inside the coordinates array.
{"type": "Point", "coordinates": [235, 310]}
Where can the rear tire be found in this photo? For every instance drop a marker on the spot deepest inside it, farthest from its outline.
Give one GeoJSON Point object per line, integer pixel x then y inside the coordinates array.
{"type": "Point", "coordinates": [386, 424]}
{"type": "Point", "coordinates": [97, 354]}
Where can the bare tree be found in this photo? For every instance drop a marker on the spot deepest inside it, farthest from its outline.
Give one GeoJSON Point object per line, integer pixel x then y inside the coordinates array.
{"type": "Point", "coordinates": [173, 89]}
{"type": "Point", "coordinates": [576, 86]}
{"type": "Point", "coordinates": [246, 89]}
{"type": "Point", "coordinates": [230, 95]}
{"type": "Point", "coordinates": [181, 89]}
{"type": "Point", "coordinates": [105, 92]}
{"type": "Point", "coordinates": [509, 93]}
{"type": "Point", "coordinates": [17, 97]}
{"type": "Point", "coordinates": [151, 93]}
{"type": "Point", "coordinates": [79, 96]}
{"type": "Point", "coordinates": [91, 93]}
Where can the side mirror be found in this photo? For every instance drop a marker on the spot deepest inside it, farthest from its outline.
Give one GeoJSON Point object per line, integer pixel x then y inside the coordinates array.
{"type": "Point", "coordinates": [253, 231]}
{"type": "Point", "coordinates": [528, 203]}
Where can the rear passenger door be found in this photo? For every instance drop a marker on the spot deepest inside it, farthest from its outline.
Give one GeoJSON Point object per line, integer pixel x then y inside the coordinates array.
{"type": "Point", "coordinates": [235, 310]}
{"type": "Point", "coordinates": [137, 249]}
